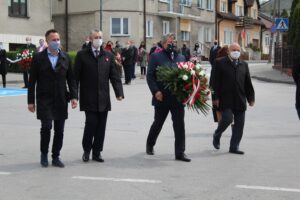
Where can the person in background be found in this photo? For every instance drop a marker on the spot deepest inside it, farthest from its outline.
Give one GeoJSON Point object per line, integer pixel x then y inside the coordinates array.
{"type": "Point", "coordinates": [31, 46]}
{"type": "Point", "coordinates": [196, 56]}
{"type": "Point", "coordinates": [135, 57]}
{"type": "Point", "coordinates": [232, 89]}
{"type": "Point", "coordinates": [43, 45]}
{"type": "Point", "coordinates": [221, 53]}
{"type": "Point", "coordinates": [128, 62]}
{"type": "Point", "coordinates": [185, 52]}
{"type": "Point", "coordinates": [48, 94]}
{"type": "Point", "coordinates": [142, 59]}
{"type": "Point", "coordinates": [94, 70]}
{"type": "Point", "coordinates": [154, 45]}
{"type": "Point", "coordinates": [109, 47]}
{"type": "Point", "coordinates": [87, 43]}
{"type": "Point", "coordinates": [296, 77]}
{"type": "Point", "coordinates": [213, 52]}
{"type": "Point", "coordinates": [3, 70]}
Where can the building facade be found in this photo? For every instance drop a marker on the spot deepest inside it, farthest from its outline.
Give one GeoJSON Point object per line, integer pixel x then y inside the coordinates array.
{"type": "Point", "coordinates": [191, 20]}
{"type": "Point", "coordinates": [237, 21]}
{"type": "Point", "coordinates": [22, 18]}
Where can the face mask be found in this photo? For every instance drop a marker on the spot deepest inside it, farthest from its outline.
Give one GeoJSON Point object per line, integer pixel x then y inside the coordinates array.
{"type": "Point", "coordinates": [170, 48]}
{"type": "Point", "coordinates": [54, 45]}
{"type": "Point", "coordinates": [97, 43]}
{"type": "Point", "coordinates": [235, 55]}
{"type": "Point", "coordinates": [87, 41]}
{"type": "Point", "coordinates": [215, 43]}
{"type": "Point", "coordinates": [28, 42]}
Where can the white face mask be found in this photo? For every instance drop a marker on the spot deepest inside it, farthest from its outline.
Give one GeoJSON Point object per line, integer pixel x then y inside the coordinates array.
{"type": "Point", "coordinates": [97, 43]}
{"type": "Point", "coordinates": [235, 55]}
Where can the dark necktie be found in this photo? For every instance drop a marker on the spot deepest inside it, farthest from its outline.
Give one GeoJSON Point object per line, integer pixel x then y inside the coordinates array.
{"type": "Point", "coordinates": [96, 53]}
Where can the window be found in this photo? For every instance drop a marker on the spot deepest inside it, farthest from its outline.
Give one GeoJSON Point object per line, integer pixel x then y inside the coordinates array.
{"type": "Point", "coordinates": [239, 10]}
{"type": "Point", "coordinates": [166, 27]}
{"type": "Point", "coordinates": [186, 2]}
{"type": "Point", "coordinates": [248, 39]}
{"type": "Point", "coordinates": [228, 37]}
{"type": "Point", "coordinates": [185, 35]}
{"type": "Point", "coordinates": [254, 14]}
{"type": "Point", "coordinates": [17, 8]}
{"type": "Point", "coordinates": [149, 28]}
{"type": "Point", "coordinates": [209, 5]}
{"type": "Point", "coordinates": [201, 4]}
{"type": "Point", "coordinates": [267, 40]}
{"type": "Point", "coordinates": [207, 35]}
{"type": "Point", "coordinates": [119, 26]}
{"type": "Point", "coordinates": [165, 1]}
{"type": "Point", "coordinates": [223, 6]}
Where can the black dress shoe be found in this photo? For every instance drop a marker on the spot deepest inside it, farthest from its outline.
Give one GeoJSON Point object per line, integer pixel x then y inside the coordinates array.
{"type": "Point", "coordinates": [44, 160]}
{"type": "Point", "coordinates": [56, 162]}
{"type": "Point", "coordinates": [216, 143]}
{"type": "Point", "coordinates": [182, 157]}
{"type": "Point", "coordinates": [149, 150]}
{"type": "Point", "coordinates": [236, 151]}
{"type": "Point", "coordinates": [98, 158]}
{"type": "Point", "coordinates": [86, 156]}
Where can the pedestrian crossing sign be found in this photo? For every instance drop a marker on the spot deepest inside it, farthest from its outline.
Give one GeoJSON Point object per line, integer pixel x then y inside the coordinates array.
{"type": "Point", "coordinates": [282, 24]}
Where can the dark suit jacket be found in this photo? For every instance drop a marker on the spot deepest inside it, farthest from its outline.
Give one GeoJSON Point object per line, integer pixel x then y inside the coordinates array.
{"type": "Point", "coordinates": [213, 54]}
{"type": "Point", "coordinates": [162, 59]}
{"type": "Point", "coordinates": [49, 86]}
{"type": "Point", "coordinates": [296, 76]}
{"type": "Point", "coordinates": [128, 54]}
{"type": "Point", "coordinates": [232, 84]}
{"type": "Point", "coordinates": [93, 76]}
{"type": "Point", "coordinates": [3, 62]}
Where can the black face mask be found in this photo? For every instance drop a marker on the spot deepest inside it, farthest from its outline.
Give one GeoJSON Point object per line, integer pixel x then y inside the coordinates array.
{"type": "Point", "coordinates": [170, 48]}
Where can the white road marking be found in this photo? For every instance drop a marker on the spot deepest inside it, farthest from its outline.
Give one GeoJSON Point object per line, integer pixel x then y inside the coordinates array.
{"type": "Point", "coordinates": [268, 188]}
{"type": "Point", "coordinates": [116, 179]}
{"type": "Point", "coordinates": [5, 173]}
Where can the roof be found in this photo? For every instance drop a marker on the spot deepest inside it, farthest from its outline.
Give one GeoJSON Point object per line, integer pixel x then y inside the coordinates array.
{"type": "Point", "coordinates": [229, 16]}
{"type": "Point", "coordinates": [250, 3]}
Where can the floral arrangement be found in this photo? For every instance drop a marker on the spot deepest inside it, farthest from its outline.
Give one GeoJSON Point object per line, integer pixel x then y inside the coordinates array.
{"type": "Point", "coordinates": [25, 56]}
{"type": "Point", "coordinates": [188, 82]}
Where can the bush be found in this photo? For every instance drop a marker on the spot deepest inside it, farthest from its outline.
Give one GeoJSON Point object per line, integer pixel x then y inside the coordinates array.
{"type": "Point", "coordinates": [15, 67]}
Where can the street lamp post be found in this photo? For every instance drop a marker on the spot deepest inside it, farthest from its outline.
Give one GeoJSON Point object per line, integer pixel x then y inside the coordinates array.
{"type": "Point", "coordinates": [101, 10]}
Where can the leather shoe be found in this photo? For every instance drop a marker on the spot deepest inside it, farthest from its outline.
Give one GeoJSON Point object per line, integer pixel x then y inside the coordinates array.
{"type": "Point", "coordinates": [149, 150]}
{"type": "Point", "coordinates": [216, 143]}
{"type": "Point", "coordinates": [44, 160]}
{"type": "Point", "coordinates": [56, 162]}
{"type": "Point", "coordinates": [236, 151]}
{"type": "Point", "coordinates": [98, 158]}
{"type": "Point", "coordinates": [182, 157]}
{"type": "Point", "coordinates": [86, 156]}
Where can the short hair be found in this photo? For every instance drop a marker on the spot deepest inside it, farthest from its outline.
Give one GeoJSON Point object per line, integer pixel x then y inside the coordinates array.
{"type": "Point", "coordinates": [166, 37]}
{"type": "Point", "coordinates": [49, 32]}
{"type": "Point", "coordinates": [95, 31]}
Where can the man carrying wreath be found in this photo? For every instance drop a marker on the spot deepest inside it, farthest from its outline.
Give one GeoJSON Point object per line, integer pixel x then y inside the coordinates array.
{"type": "Point", "coordinates": [163, 101]}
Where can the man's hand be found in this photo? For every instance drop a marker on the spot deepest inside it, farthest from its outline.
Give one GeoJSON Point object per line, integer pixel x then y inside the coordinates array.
{"type": "Point", "coordinates": [216, 103]}
{"type": "Point", "coordinates": [251, 103]}
{"type": "Point", "coordinates": [74, 103]}
{"type": "Point", "coordinates": [31, 108]}
{"type": "Point", "coordinates": [120, 98]}
{"type": "Point", "coordinates": [158, 96]}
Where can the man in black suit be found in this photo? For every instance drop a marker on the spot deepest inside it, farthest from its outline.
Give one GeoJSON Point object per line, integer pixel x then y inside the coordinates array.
{"type": "Point", "coordinates": [296, 76]}
{"type": "Point", "coordinates": [163, 101]}
{"type": "Point", "coordinates": [94, 68]}
{"type": "Point", "coordinates": [185, 51]}
{"type": "Point", "coordinates": [128, 62]}
{"type": "Point", "coordinates": [213, 52]}
{"type": "Point", "coordinates": [30, 46]}
{"type": "Point", "coordinates": [3, 61]}
{"type": "Point", "coordinates": [232, 88]}
{"type": "Point", "coordinates": [50, 74]}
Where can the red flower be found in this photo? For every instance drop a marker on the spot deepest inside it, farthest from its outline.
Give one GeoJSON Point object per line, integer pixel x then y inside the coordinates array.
{"type": "Point", "coordinates": [106, 59]}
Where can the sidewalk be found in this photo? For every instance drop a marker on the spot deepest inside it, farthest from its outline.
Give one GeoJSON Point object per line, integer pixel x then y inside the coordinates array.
{"type": "Point", "coordinates": [260, 70]}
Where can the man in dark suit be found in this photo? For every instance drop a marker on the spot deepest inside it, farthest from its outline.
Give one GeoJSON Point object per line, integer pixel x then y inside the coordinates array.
{"type": "Point", "coordinates": [94, 68]}
{"type": "Point", "coordinates": [185, 52]}
{"type": "Point", "coordinates": [296, 76]}
{"type": "Point", "coordinates": [163, 101]}
{"type": "Point", "coordinates": [50, 74]}
{"type": "Point", "coordinates": [232, 88]}
{"type": "Point", "coordinates": [31, 46]}
{"type": "Point", "coordinates": [213, 52]}
{"type": "Point", "coordinates": [128, 62]}
{"type": "Point", "coordinates": [3, 61]}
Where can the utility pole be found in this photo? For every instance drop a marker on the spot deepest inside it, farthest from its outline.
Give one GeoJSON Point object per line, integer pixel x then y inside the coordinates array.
{"type": "Point", "coordinates": [144, 15]}
{"type": "Point", "coordinates": [67, 25]}
{"type": "Point", "coordinates": [272, 34]}
{"type": "Point", "coordinates": [101, 10]}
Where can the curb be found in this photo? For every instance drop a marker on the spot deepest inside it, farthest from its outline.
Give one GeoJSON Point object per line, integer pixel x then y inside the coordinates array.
{"type": "Point", "coordinates": [272, 81]}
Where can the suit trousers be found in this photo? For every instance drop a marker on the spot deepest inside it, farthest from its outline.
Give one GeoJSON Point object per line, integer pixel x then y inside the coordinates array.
{"type": "Point", "coordinates": [127, 72]}
{"type": "Point", "coordinates": [94, 131]}
{"type": "Point", "coordinates": [4, 80]}
{"type": "Point", "coordinates": [25, 78]}
{"type": "Point", "coordinates": [46, 135]}
{"type": "Point", "coordinates": [228, 116]}
{"type": "Point", "coordinates": [160, 115]}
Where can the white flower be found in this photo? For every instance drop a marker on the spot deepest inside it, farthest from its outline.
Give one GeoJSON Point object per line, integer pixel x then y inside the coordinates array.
{"type": "Point", "coordinates": [198, 66]}
{"type": "Point", "coordinates": [185, 66]}
{"type": "Point", "coordinates": [193, 72]}
{"type": "Point", "coordinates": [185, 77]}
{"type": "Point", "coordinates": [202, 73]}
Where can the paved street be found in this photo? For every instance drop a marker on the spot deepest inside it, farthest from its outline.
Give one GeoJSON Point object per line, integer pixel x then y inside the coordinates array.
{"type": "Point", "coordinates": [269, 170]}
